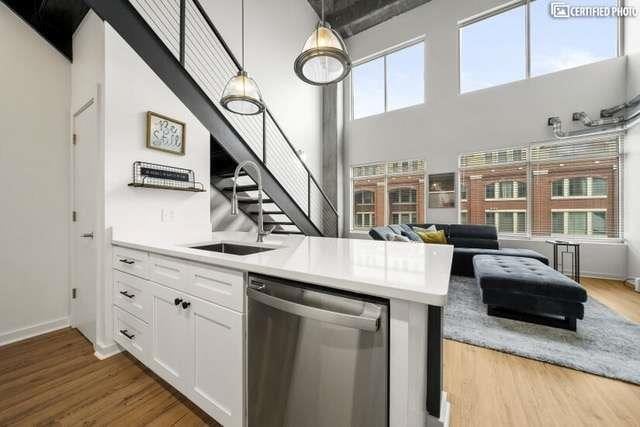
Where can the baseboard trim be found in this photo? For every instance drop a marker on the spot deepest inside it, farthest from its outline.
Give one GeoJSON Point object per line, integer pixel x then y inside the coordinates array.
{"type": "Point", "coordinates": [593, 275]}
{"type": "Point", "coordinates": [34, 330]}
{"type": "Point", "coordinates": [105, 352]}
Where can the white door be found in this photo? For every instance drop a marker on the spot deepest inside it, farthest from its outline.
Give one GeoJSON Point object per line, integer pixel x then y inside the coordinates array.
{"type": "Point", "coordinates": [216, 352]}
{"type": "Point", "coordinates": [169, 356]}
{"type": "Point", "coordinates": [85, 251]}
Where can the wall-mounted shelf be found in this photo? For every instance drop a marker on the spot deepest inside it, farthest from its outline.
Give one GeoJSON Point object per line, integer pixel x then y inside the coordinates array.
{"type": "Point", "coordinates": [151, 175]}
{"type": "Point", "coordinates": [167, 187]}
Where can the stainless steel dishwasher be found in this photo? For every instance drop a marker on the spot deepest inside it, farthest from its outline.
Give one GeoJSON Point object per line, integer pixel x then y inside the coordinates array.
{"type": "Point", "coordinates": [316, 357]}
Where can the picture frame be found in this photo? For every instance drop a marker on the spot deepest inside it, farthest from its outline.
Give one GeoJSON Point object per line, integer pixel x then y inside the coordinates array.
{"type": "Point", "coordinates": [165, 133]}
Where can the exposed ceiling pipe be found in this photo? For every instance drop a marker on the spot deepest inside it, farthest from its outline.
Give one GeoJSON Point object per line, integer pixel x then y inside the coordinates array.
{"type": "Point", "coordinates": [609, 129]}
{"type": "Point", "coordinates": [610, 112]}
{"type": "Point", "coordinates": [587, 121]}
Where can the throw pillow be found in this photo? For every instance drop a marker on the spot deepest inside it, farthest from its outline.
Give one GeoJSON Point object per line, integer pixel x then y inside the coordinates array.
{"type": "Point", "coordinates": [429, 228]}
{"type": "Point", "coordinates": [397, 238]}
{"type": "Point", "coordinates": [411, 235]}
{"type": "Point", "coordinates": [435, 237]}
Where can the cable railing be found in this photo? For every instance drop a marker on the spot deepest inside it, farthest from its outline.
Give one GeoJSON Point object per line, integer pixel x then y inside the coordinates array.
{"type": "Point", "coordinates": [186, 30]}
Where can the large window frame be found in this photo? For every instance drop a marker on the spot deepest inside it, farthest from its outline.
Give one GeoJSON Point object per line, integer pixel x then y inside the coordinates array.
{"type": "Point", "coordinates": [388, 175]}
{"type": "Point", "coordinates": [527, 48]}
{"type": "Point", "coordinates": [531, 172]}
{"type": "Point", "coordinates": [384, 54]}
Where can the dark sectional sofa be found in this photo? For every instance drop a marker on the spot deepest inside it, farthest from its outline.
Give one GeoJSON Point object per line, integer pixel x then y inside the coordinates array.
{"type": "Point", "coordinates": [515, 283]}
{"type": "Point", "coordinates": [467, 240]}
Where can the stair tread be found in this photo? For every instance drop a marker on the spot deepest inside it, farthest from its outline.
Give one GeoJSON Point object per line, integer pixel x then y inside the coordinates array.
{"type": "Point", "coordinates": [286, 232]}
{"type": "Point", "coordinates": [229, 174]}
{"type": "Point", "coordinates": [253, 201]}
{"type": "Point", "coordinates": [241, 188]}
{"type": "Point", "coordinates": [266, 213]}
{"type": "Point", "coordinates": [279, 222]}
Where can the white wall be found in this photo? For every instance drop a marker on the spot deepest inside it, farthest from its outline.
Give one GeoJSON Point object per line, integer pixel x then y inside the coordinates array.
{"type": "Point", "coordinates": [449, 124]}
{"type": "Point", "coordinates": [632, 149]}
{"type": "Point", "coordinates": [34, 165]}
{"type": "Point", "coordinates": [275, 33]}
{"type": "Point", "coordinates": [132, 89]}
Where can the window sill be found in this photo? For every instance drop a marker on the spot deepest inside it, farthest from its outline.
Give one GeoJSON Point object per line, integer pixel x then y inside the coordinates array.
{"type": "Point", "coordinates": [513, 199]}
{"type": "Point", "coordinates": [607, 241]}
{"type": "Point", "coordinates": [577, 197]}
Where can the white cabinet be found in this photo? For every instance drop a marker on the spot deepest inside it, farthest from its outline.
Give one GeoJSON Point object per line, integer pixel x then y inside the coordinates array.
{"type": "Point", "coordinates": [216, 339]}
{"type": "Point", "coordinates": [185, 321]}
{"type": "Point", "coordinates": [170, 337]}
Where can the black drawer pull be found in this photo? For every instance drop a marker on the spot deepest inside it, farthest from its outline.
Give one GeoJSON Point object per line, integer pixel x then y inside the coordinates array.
{"type": "Point", "coordinates": [186, 305]}
{"type": "Point", "coordinates": [127, 294]}
{"type": "Point", "coordinates": [127, 261]}
{"type": "Point", "coordinates": [177, 301]}
{"type": "Point", "coordinates": [126, 334]}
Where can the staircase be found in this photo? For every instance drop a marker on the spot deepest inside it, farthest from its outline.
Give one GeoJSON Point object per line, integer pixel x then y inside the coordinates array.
{"type": "Point", "coordinates": [179, 42]}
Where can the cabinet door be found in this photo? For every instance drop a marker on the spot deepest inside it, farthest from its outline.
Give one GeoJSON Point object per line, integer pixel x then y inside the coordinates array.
{"type": "Point", "coordinates": [216, 337]}
{"type": "Point", "coordinates": [169, 356]}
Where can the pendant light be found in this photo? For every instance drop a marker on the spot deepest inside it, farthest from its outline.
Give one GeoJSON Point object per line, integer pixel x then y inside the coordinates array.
{"type": "Point", "coordinates": [241, 94]}
{"type": "Point", "coordinates": [324, 58]}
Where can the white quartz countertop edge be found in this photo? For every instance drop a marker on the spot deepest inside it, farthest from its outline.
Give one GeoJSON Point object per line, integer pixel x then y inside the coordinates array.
{"type": "Point", "coordinates": [244, 263]}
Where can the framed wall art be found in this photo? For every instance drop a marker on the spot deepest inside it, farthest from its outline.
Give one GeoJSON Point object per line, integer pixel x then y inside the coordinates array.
{"type": "Point", "coordinates": [165, 133]}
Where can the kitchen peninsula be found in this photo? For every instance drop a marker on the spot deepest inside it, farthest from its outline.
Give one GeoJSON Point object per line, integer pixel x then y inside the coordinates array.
{"type": "Point", "coordinates": [184, 312]}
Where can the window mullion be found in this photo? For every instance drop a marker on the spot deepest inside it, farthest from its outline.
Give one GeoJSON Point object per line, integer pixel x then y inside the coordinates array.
{"type": "Point", "coordinates": [527, 38]}
{"type": "Point", "coordinates": [385, 84]}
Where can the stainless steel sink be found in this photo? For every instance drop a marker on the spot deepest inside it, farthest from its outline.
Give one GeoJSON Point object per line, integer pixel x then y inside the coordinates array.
{"type": "Point", "coordinates": [234, 249]}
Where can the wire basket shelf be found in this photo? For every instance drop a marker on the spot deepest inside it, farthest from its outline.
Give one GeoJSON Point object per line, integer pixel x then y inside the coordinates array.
{"type": "Point", "coordinates": [152, 175]}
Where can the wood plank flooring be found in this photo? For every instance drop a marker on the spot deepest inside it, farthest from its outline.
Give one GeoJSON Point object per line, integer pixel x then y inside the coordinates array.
{"type": "Point", "coordinates": [54, 379]}
{"type": "Point", "coordinates": [490, 388]}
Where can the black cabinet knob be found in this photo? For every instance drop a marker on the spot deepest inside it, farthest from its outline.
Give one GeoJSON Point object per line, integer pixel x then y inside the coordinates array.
{"type": "Point", "coordinates": [186, 305]}
{"type": "Point", "coordinates": [177, 301]}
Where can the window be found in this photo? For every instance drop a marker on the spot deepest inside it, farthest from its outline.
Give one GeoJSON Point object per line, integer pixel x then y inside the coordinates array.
{"type": "Point", "coordinates": [364, 209]}
{"type": "Point", "coordinates": [387, 193]}
{"type": "Point", "coordinates": [506, 190]}
{"type": "Point", "coordinates": [574, 189]}
{"type": "Point", "coordinates": [492, 50]}
{"type": "Point", "coordinates": [580, 223]}
{"type": "Point", "coordinates": [495, 45]}
{"type": "Point", "coordinates": [389, 82]}
{"type": "Point", "coordinates": [463, 217]}
{"type": "Point", "coordinates": [441, 190]}
{"type": "Point", "coordinates": [368, 88]}
{"type": "Point", "coordinates": [579, 187]}
{"type": "Point", "coordinates": [558, 44]}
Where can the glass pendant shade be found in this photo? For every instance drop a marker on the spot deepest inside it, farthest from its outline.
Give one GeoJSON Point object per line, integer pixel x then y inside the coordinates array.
{"type": "Point", "coordinates": [324, 58]}
{"type": "Point", "coordinates": [242, 96]}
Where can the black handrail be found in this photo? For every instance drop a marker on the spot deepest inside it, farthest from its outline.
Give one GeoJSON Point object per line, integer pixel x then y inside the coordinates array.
{"type": "Point", "coordinates": [238, 65]}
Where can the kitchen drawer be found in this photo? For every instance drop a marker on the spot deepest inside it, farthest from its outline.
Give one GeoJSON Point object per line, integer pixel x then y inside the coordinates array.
{"type": "Point", "coordinates": [131, 261]}
{"type": "Point", "coordinates": [168, 271]}
{"type": "Point", "coordinates": [132, 334]}
{"type": "Point", "coordinates": [132, 294]}
{"type": "Point", "coordinates": [219, 285]}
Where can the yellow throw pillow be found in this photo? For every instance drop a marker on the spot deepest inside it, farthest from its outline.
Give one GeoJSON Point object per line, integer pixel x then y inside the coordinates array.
{"type": "Point", "coordinates": [435, 237]}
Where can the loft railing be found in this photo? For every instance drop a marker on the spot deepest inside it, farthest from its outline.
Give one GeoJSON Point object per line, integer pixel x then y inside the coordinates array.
{"type": "Point", "coordinates": [186, 30]}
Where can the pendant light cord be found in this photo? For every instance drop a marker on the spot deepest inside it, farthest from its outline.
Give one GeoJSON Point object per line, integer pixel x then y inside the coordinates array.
{"type": "Point", "coordinates": [322, 8]}
{"type": "Point", "coordinates": [242, 35]}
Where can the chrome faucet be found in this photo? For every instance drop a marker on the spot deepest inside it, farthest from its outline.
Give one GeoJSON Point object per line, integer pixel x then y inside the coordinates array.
{"type": "Point", "coordinates": [234, 199]}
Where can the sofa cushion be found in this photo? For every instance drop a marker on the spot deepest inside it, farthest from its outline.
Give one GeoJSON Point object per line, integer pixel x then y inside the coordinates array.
{"type": "Point", "coordinates": [527, 276]}
{"type": "Point", "coordinates": [380, 233]}
{"type": "Point", "coordinates": [473, 242]}
{"type": "Point", "coordinates": [463, 258]}
{"type": "Point", "coordinates": [411, 236]}
{"type": "Point", "coordinates": [473, 231]}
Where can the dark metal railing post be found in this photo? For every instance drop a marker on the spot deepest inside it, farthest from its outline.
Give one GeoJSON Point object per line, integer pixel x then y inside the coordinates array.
{"type": "Point", "coordinates": [183, 19]}
{"type": "Point", "coordinates": [264, 137]}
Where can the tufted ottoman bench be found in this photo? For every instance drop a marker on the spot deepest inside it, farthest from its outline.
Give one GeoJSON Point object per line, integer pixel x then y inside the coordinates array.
{"type": "Point", "coordinates": [528, 290]}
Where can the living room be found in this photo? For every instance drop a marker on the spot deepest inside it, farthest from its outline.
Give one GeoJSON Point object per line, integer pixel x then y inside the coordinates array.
{"type": "Point", "coordinates": [320, 213]}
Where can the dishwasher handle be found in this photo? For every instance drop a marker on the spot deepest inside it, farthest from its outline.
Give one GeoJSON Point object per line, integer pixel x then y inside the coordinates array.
{"type": "Point", "coordinates": [369, 322]}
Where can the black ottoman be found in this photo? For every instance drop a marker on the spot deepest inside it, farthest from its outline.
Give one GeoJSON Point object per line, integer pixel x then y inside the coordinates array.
{"type": "Point", "coordinates": [526, 289]}
{"type": "Point", "coordinates": [463, 258]}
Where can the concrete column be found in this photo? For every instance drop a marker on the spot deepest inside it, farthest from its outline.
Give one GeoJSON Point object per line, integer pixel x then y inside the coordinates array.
{"type": "Point", "coordinates": [332, 148]}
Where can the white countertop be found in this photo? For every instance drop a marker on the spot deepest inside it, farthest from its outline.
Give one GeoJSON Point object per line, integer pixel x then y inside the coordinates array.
{"type": "Point", "coordinates": [409, 271]}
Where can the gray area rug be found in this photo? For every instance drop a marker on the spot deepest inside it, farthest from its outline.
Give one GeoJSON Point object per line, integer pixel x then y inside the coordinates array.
{"type": "Point", "coordinates": [605, 344]}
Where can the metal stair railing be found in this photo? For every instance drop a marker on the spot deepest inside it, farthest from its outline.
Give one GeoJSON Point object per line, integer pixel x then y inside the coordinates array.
{"type": "Point", "coordinates": [187, 31]}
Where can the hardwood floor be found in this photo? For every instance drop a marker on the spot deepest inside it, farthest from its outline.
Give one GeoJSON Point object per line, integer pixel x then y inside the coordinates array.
{"type": "Point", "coordinates": [490, 388]}
{"type": "Point", "coordinates": [54, 379]}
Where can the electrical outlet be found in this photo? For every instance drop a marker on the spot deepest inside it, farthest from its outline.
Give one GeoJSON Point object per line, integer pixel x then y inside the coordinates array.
{"type": "Point", "coordinates": [167, 215]}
